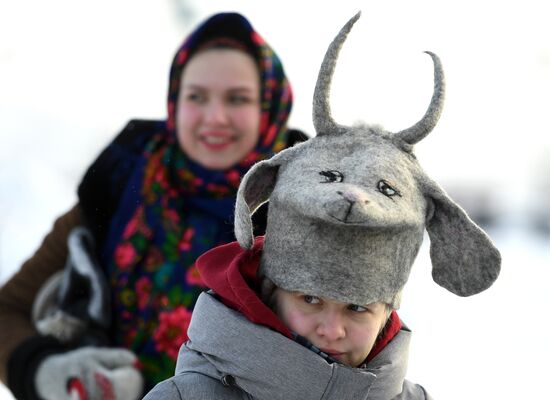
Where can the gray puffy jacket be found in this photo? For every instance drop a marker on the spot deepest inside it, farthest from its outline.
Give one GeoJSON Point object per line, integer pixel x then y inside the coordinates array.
{"type": "Point", "coordinates": [229, 357]}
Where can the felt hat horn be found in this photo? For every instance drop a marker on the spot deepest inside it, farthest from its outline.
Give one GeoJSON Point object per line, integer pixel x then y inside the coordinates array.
{"type": "Point", "coordinates": [322, 116]}
{"type": "Point", "coordinates": [422, 128]}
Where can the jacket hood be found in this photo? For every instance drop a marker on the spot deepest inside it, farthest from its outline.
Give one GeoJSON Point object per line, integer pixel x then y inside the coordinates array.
{"type": "Point", "coordinates": [267, 365]}
{"type": "Point", "coordinates": [232, 273]}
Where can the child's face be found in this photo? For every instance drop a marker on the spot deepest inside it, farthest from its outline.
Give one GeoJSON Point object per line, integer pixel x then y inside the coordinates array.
{"type": "Point", "coordinates": [346, 332]}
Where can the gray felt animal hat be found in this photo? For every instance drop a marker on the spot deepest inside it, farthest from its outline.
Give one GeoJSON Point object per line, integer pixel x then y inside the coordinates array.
{"type": "Point", "coordinates": [348, 209]}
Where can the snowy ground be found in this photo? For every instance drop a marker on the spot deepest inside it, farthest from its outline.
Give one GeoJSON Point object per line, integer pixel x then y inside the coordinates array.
{"type": "Point", "coordinates": [71, 75]}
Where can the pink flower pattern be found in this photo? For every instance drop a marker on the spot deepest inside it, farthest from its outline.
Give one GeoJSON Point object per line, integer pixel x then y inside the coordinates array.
{"type": "Point", "coordinates": [125, 255]}
{"type": "Point", "coordinates": [172, 331]}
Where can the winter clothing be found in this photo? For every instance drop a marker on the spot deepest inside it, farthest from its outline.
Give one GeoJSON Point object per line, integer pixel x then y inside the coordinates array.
{"type": "Point", "coordinates": [151, 211]}
{"type": "Point", "coordinates": [74, 304]}
{"type": "Point", "coordinates": [183, 210]}
{"type": "Point", "coordinates": [238, 348]}
{"type": "Point", "coordinates": [348, 210]}
{"type": "Point", "coordinates": [92, 373]}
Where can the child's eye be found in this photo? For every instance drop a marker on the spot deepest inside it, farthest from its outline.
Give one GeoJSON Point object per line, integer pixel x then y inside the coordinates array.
{"type": "Point", "coordinates": [311, 299]}
{"type": "Point", "coordinates": [356, 308]}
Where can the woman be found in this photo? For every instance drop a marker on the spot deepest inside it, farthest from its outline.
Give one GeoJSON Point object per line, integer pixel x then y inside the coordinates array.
{"type": "Point", "coordinates": [157, 197]}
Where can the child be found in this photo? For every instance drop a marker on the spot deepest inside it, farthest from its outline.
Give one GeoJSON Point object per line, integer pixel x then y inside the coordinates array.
{"type": "Point", "coordinates": [304, 347]}
{"type": "Point", "coordinates": [309, 311]}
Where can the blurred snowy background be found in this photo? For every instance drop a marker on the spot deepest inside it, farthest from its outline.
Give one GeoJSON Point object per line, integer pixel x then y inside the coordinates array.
{"type": "Point", "coordinates": [72, 73]}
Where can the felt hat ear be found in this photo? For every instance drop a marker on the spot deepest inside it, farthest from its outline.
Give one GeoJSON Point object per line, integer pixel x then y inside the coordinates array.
{"type": "Point", "coordinates": [254, 190]}
{"type": "Point", "coordinates": [464, 259]}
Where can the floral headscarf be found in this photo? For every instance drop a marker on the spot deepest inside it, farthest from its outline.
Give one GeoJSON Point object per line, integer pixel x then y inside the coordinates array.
{"type": "Point", "coordinates": [183, 210]}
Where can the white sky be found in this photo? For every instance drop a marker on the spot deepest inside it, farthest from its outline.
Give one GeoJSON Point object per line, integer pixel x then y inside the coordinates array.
{"type": "Point", "coordinates": [73, 73]}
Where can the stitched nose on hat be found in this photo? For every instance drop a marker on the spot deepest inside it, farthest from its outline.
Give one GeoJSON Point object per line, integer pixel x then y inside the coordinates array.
{"type": "Point", "coordinates": [349, 207]}
{"type": "Point", "coordinates": [354, 196]}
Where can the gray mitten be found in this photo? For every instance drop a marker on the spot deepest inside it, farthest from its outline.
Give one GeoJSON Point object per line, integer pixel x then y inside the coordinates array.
{"type": "Point", "coordinates": [89, 373]}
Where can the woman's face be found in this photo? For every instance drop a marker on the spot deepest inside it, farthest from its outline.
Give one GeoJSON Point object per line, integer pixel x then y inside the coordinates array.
{"type": "Point", "coordinates": [218, 109]}
{"type": "Point", "coordinates": [346, 332]}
